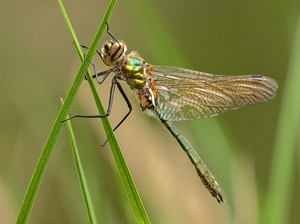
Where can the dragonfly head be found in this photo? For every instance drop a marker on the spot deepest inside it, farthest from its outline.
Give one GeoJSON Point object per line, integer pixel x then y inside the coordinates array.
{"type": "Point", "coordinates": [112, 51]}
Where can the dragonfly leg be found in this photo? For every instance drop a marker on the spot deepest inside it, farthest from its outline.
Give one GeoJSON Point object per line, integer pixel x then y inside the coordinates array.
{"type": "Point", "coordinates": [111, 97]}
{"type": "Point", "coordinates": [126, 100]}
{"type": "Point", "coordinates": [128, 105]}
{"type": "Point", "coordinates": [98, 52]}
{"type": "Point", "coordinates": [104, 75]}
{"type": "Point", "coordinates": [110, 103]}
{"type": "Point", "coordinates": [98, 74]}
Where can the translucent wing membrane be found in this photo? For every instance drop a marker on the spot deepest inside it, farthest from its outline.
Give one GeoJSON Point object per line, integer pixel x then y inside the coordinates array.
{"type": "Point", "coordinates": [173, 94]}
{"type": "Point", "coordinates": [187, 95]}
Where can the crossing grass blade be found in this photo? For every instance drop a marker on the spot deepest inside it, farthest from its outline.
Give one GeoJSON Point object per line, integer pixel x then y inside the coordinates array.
{"type": "Point", "coordinates": [39, 171]}
{"type": "Point", "coordinates": [81, 175]}
{"type": "Point", "coordinates": [131, 190]}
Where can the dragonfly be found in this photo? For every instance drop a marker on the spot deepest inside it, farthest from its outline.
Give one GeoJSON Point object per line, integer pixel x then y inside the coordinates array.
{"type": "Point", "coordinates": [176, 94]}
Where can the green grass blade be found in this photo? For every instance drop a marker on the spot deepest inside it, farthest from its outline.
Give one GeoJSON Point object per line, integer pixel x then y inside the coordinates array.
{"type": "Point", "coordinates": [131, 190]}
{"type": "Point", "coordinates": [52, 138]}
{"type": "Point", "coordinates": [81, 175]}
{"type": "Point", "coordinates": [278, 203]}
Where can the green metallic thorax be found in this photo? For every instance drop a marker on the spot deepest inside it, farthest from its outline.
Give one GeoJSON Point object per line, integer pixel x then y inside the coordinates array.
{"type": "Point", "coordinates": [134, 72]}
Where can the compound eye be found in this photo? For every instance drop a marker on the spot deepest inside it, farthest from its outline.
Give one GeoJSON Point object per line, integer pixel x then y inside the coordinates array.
{"type": "Point", "coordinates": [107, 47]}
{"type": "Point", "coordinates": [112, 51]}
{"type": "Point", "coordinates": [116, 50]}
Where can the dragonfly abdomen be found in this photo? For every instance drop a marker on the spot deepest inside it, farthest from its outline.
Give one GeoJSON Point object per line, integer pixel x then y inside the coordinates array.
{"type": "Point", "coordinates": [205, 175]}
{"type": "Point", "coordinates": [208, 180]}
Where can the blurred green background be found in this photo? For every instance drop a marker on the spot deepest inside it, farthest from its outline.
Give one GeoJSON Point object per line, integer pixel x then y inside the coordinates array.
{"type": "Point", "coordinates": [39, 62]}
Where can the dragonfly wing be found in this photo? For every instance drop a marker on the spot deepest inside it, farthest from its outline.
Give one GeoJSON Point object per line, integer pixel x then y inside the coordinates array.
{"type": "Point", "coordinates": [187, 95]}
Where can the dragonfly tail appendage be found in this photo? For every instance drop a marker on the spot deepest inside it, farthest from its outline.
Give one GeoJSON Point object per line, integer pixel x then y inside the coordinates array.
{"type": "Point", "coordinates": [208, 180]}
{"type": "Point", "coordinates": [205, 175]}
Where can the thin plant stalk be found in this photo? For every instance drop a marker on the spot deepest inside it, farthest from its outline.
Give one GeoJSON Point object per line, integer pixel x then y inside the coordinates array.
{"type": "Point", "coordinates": [81, 175]}
{"type": "Point", "coordinates": [39, 171]}
{"type": "Point", "coordinates": [127, 180]}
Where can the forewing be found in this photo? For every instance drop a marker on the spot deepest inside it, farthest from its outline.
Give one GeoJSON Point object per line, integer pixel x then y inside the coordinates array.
{"type": "Point", "coordinates": [186, 94]}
